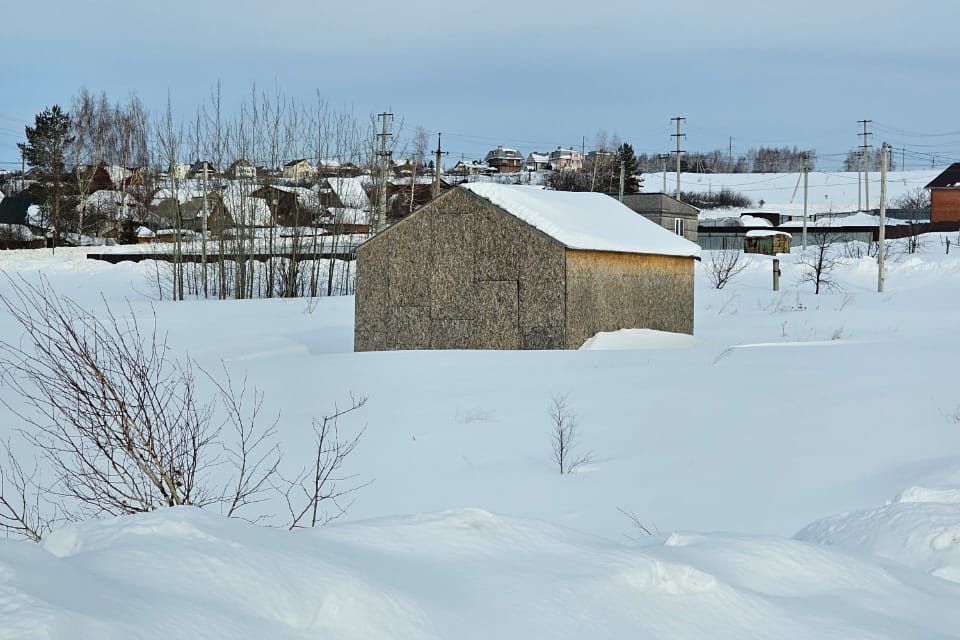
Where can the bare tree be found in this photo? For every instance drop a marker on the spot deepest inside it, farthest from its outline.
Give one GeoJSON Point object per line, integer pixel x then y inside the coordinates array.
{"type": "Point", "coordinates": [724, 265]}
{"type": "Point", "coordinates": [564, 436]}
{"type": "Point", "coordinates": [820, 260]}
{"type": "Point", "coordinates": [322, 483]}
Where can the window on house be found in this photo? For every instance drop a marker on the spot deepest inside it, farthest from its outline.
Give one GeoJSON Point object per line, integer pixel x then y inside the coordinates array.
{"type": "Point", "coordinates": [678, 226]}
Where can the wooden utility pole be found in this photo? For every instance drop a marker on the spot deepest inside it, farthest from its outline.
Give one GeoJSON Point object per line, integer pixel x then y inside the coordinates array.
{"type": "Point", "coordinates": [436, 168]}
{"type": "Point", "coordinates": [203, 239]}
{"type": "Point", "coordinates": [806, 173]}
{"type": "Point", "coordinates": [730, 156]}
{"type": "Point", "coordinates": [623, 168]}
{"type": "Point", "coordinates": [678, 120]}
{"type": "Point", "coordinates": [884, 152]}
{"type": "Point", "coordinates": [384, 154]}
{"type": "Point", "coordinates": [866, 163]}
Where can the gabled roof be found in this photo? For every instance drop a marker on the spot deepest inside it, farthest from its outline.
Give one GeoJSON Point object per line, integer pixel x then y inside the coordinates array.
{"type": "Point", "coordinates": [14, 209]}
{"type": "Point", "coordinates": [294, 163]}
{"type": "Point", "coordinates": [587, 221]}
{"type": "Point", "coordinates": [350, 192]}
{"type": "Point", "coordinates": [949, 178]}
{"type": "Point", "coordinates": [503, 153]}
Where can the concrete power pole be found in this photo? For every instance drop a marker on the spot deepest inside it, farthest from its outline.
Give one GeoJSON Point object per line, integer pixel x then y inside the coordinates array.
{"type": "Point", "coordinates": [884, 154]}
{"type": "Point", "coordinates": [866, 163]}
{"type": "Point", "coordinates": [859, 181]}
{"type": "Point", "coordinates": [436, 169]}
{"type": "Point", "coordinates": [663, 157]}
{"type": "Point", "coordinates": [730, 156]}
{"type": "Point", "coordinates": [806, 174]}
{"type": "Point", "coordinates": [678, 120]}
{"type": "Point", "coordinates": [384, 154]}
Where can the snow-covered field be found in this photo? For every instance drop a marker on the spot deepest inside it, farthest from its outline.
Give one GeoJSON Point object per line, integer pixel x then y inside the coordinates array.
{"type": "Point", "coordinates": [797, 460]}
{"type": "Point", "coordinates": [828, 191]}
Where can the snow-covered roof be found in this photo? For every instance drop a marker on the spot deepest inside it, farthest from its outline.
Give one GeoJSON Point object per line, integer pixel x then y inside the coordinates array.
{"type": "Point", "coordinates": [350, 192]}
{"type": "Point", "coordinates": [538, 157]}
{"type": "Point", "coordinates": [17, 232]}
{"type": "Point", "coordinates": [144, 232]}
{"type": "Point", "coordinates": [860, 219]}
{"type": "Point", "coordinates": [761, 233]}
{"type": "Point", "coordinates": [243, 208]}
{"type": "Point", "coordinates": [753, 221]}
{"type": "Point", "coordinates": [589, 221]}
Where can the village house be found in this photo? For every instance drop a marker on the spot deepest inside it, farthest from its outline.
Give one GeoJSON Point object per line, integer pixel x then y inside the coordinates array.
{"type": "Point", "coordinates": [299, 169]}
{"type": "Point", "coordinates": [290, 206]}
{"type": "Point", "coordinates": [241, 169]}
{"type": "Point", "coordinates": [470, 168]}
{"type": "Point", "coordinates": [504, 160]}
{"type": "Point", "coordinates": [537, 161]}
{"type": "Point", "coordinates": [202, 169]}
{"type": "Point", "coordinates": [945, 195]}
{"type": "Point", "coordinates": [490, 266]}
{"type": "Point", "coordinates": [566, 159]}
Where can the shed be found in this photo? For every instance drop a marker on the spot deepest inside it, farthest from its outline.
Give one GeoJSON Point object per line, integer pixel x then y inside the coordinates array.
{"type": "Point", "coordinates": [491, 266]}
{"type": "Point", "coordinates": [666, 211]}
{"type": "Point", "coordinates": [769, 243]}
{"type": "Point", "coordinates": [945, 195]}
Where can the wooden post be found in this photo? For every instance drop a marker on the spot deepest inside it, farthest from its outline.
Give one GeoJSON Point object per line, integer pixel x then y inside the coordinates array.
{"type": "Point", "coordinates": [776, 274]}
{"type": "Point", "coordinates": [948, 246]}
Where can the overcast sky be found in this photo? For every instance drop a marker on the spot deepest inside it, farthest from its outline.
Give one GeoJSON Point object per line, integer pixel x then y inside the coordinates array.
{"type": "Point", "coordinates": [532, 75]}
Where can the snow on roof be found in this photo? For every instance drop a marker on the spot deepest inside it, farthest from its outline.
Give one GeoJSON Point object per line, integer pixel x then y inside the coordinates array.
{"type": "Point", "coordinates": [350, 192]}
{"type": "Point", "coordinates": [856, 220]}
{"type": "Point", "coordinates": [35, 215]}
{"type": "Point", "coordinates": [144, 232]}
{"type": "Point", "coordinates": [753, 221]}
{"type": "Point", "coordinates": [759, 233]}
{"type": "Point", "coordinates": [17, 232]}
{"type": "Point", "coordinates": [244, 209]}
{"type": "Point", "coordinates": [590, 221]}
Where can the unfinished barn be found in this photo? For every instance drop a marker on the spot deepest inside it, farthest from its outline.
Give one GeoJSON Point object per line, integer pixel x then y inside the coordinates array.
{"type": "Point", "coordinates": [489, 266]}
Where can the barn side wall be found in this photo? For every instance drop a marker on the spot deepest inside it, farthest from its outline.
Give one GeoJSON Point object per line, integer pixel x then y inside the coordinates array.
{"type": "Point", "coordinates": [460, 274]}
{"type": "Point", "coordinates": [945, 205]}
{"type": "Point", "coordinates": [611, 291]}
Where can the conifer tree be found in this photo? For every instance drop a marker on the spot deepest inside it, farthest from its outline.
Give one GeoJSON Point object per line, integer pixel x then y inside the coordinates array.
{"type": "Point", "coordinates": [626, 155]}
{"type": "Point", "coordinates": [45, 152]}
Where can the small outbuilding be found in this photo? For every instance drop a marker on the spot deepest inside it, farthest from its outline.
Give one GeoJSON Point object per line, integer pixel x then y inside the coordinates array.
{"type": "Point", "coordinates": [945, 195]}
{"type": "Point", "coordinates": [766, 242]}
{"type": "Point", "coordinates": [491, 266]}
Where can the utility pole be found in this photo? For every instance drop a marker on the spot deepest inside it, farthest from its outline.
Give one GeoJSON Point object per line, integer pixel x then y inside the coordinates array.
{"type": "Point", "coordinates": [203, 239]}
{"type": "Point", "coordinates": [623, 170]}
{"type": "Point", "coordinates": [436, 168]}
{"type": "Point", "coordinates": [903, 159]}
{"type": "Point", "coordinates": [730, 156]}
{"type": "Point", "coordinates": [859, 181]}
{"type": "Point", "coordinates": [663, 157]}
{"type": "Point", "coordinates": [806, 173]}
{"type": "Point", "coordinates": [384, 154]}
{"type": "Point", "coordinates": [866, 163]}
{"type": "Point", "coordinates": [678, 120]}
{"type": "Point", "coordinates": [884, 152]}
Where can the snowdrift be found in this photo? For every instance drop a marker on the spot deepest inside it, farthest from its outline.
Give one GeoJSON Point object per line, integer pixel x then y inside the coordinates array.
{"type": "Point", "coordinates": [183, 573]}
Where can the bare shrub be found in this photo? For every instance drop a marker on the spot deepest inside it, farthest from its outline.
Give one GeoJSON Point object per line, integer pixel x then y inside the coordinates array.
{"type": "Point", "coordinates": [322, 483]}
{"type": "Point", "coordinates": [820, 260]}
{"type": "Point", "coordinates": [565, 435]}
{"type": "Point", "coordinates": [119, 421]}
{"type": "Point", "coordinates": [724, 265]}
{"type": "Point", "coordinates": [637, 524]}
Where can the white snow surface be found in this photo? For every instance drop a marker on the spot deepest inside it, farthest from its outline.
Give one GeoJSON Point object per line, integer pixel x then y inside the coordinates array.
{"type": "Point", "coordinates": [638, 339]}
{"type": "Point", "coordinates": [591, 221]}
{"type": "Point", "coordinates": [783, 410]}
{"type": "Point", "coordinates": [457, 574]}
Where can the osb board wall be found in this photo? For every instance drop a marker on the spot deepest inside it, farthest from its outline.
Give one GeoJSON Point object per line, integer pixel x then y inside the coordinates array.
{"type": "Point", "coordinates": [611, 291]}
{"type": "Point", "coordinates": [460, 274]}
